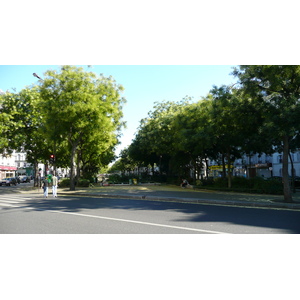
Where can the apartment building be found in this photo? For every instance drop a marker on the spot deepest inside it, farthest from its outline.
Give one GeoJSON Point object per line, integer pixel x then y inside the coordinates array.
{"type": "Point", "coordinates": [258, 165]}
{"type": "Point", "coordinates": [7, 166]}
{"type": "Point", "coordinates": [14, 165]}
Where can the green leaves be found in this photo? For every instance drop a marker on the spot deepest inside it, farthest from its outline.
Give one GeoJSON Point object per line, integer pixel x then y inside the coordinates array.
{"type": "Point", "coordinates": [276, 90]}
{"type": "Point", "coordinates": [224, 122]}
{"type": "Point", "coordinates": [73, 113]}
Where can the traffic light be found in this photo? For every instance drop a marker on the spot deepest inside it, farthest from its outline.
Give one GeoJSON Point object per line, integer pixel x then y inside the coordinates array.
{"type": "Point", "coordinates": [52, 158]}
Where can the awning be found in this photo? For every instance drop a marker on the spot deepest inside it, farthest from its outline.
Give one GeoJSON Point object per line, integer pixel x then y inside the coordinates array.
{"type": "Point", "coordinates": [7, 168]}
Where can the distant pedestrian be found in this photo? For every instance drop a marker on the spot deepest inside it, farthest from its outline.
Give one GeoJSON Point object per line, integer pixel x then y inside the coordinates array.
{"type": "Point", "coordinates": [184, 183]}
{"type": "Point", "coordinates": [54, 185]}
{"type": "Point", "coordinates": [45, 187]}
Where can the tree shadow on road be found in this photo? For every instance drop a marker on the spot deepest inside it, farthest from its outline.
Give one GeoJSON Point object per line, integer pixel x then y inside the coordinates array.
{"type": "Point", "coordinates": [286, 220]}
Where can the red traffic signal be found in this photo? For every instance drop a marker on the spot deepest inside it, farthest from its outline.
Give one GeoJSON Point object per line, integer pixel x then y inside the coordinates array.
{"type": "Point", "coordinates": [52, 158]}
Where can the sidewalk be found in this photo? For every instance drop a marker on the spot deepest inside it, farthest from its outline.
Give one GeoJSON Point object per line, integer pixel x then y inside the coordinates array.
{"type": "Point", "coordinates": [177, 194]}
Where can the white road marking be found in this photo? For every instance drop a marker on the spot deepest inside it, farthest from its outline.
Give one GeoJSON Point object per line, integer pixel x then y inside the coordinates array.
{"type": "Point", "coordinates": [9, 201]}
{"type": "Point", "coordinates": [9, 205]}
{"type": "Point", "coordinates": [138, 222]}
{"type": "Point", "coordinates": [19, 198]}
{"type": "Point", "coordinates": [12, 199]}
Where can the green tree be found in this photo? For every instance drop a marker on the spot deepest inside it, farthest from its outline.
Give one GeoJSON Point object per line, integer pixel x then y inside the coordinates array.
{"type": "Point", "coordinates": [80, 108]}
{"type": "Point", "coordinates": [276, 89]}
{"type": "Point", "coordinates": [227, 130]}
{"type": "Point", "coordinates": [124, 164]}
{"type": "Point", "coordinates": [12, 120]}
{"type": "Point", "coordinates": [23, 127]}
{"type": "Point", "coordinates": [7, 126]}
{"type": "Point", "coordinates": [193, 134]}
{"type": "Point", "coordinates": [155, 141]}
{"type": "Point", "coordinates": [236, 124]}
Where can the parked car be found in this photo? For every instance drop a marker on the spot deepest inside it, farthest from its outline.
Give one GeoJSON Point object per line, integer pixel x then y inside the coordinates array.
{"type": "Point", "coordinates": [9, 181]}
{"type": "Point", "coordinates": [25, 179]}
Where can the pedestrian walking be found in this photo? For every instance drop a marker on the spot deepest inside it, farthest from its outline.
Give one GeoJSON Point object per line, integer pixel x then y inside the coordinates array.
{"type": "Point", "coordinates": [54, 185]}
{"type": "Point", "coordinates": [45, 187]}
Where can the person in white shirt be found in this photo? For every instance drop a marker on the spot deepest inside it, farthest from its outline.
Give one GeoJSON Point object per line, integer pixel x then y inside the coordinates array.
{"type": "Point", "coordinates": [54, 185]}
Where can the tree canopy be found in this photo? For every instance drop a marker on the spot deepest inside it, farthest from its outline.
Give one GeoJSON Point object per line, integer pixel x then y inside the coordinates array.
{"type": "Point", "coordinates": [73, 114]}
{"type": "Point", "coordinates": [276, 90]}
{"type": "Point", "coordinates": [259, 114]}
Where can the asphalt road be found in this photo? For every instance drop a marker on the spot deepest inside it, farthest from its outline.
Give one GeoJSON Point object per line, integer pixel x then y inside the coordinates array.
{"type": "Point", "coordinates": [31, 213]}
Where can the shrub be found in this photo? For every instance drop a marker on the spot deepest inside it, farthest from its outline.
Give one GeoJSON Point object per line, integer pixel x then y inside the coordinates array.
{"type": "Point", "coordinates": [240, 182]}
{"type": "Point", "coordinates": [65, 182]}
{"type": "Point", "coordinates": [114, 178]}
{"type": "Point", "coordinates": [273, 186]}
{"type": "Point", "coordinates": [207, 181]}
{"type": "Point", "coordinates": [221, 182]}
{"type": "Point", "coordinates": [257, 183]}
{"type": "Point", "coordinates": [83, 183]}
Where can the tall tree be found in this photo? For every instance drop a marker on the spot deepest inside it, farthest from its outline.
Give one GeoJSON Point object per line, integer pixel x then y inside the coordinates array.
{"type": "Point", "coordinates": [78, 106]}
{"type": "Point", "coordinates": [156, 135]}
{"type": "Point", "coordinates": [23, 126]}
{"type": "Point", "coordinates": [227, 130]}
{"type": "Point", "coordinates": [8, 126]}
{"type": "Point", "coordinates": [193, 134]}
{"type": "Point", "coordinates": [276, 89]}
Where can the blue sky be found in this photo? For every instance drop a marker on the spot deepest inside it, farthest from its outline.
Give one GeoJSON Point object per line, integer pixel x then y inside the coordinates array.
{"type": "Point", "coordinates": [144, 85]}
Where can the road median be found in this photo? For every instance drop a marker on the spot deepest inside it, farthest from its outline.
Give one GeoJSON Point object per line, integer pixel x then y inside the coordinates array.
{"type": "Point", "coordinates": [177, 194]}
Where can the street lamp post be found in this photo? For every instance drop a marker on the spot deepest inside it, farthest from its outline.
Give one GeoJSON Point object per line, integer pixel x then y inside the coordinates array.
{"type": "Point", "coordinates": [35, 75]}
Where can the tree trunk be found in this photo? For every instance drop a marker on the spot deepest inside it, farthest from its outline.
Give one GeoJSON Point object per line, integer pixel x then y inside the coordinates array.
{"type": "Point", "coordinates": [293, 173]}
{"type": "Point", "coordinates": [285, 171]}
{"type": "Point", "coordinates": [36, 173]}
{"type": "Point", "coordinates": [229, 171]}
{"type": "Point", "coordinates": [195, 171]}
{"type": "Point", "coordinates": [207, 168]}
{"type": "Point", "coordinates": [224, 166]}
{"type": "Point", "coordinates": [72, 168]}
{"type": "Point", "coordinates": [78, 165]}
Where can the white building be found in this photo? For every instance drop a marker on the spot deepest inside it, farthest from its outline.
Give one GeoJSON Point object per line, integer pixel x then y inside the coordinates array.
{"type": "Point", "coordinates": [277, 164]}
{"type": "Point", "coordinates": [7, 166]}
{"type": "Point", "coordinates": [259, 165]}
{"type": "Point", "coordinates": [14, 165]}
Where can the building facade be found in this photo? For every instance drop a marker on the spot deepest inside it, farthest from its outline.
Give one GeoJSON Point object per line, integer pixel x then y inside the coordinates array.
{"type": "Point", "coordinates": [15, 165]}
{"type": "Point", "coordinates": [7, 166]}
{"type": "Point", "coordinates": [258, 165]}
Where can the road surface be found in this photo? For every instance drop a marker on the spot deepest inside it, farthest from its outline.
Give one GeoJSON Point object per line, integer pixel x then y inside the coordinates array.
{"type": "Point", "coordinates": [31, 213]}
